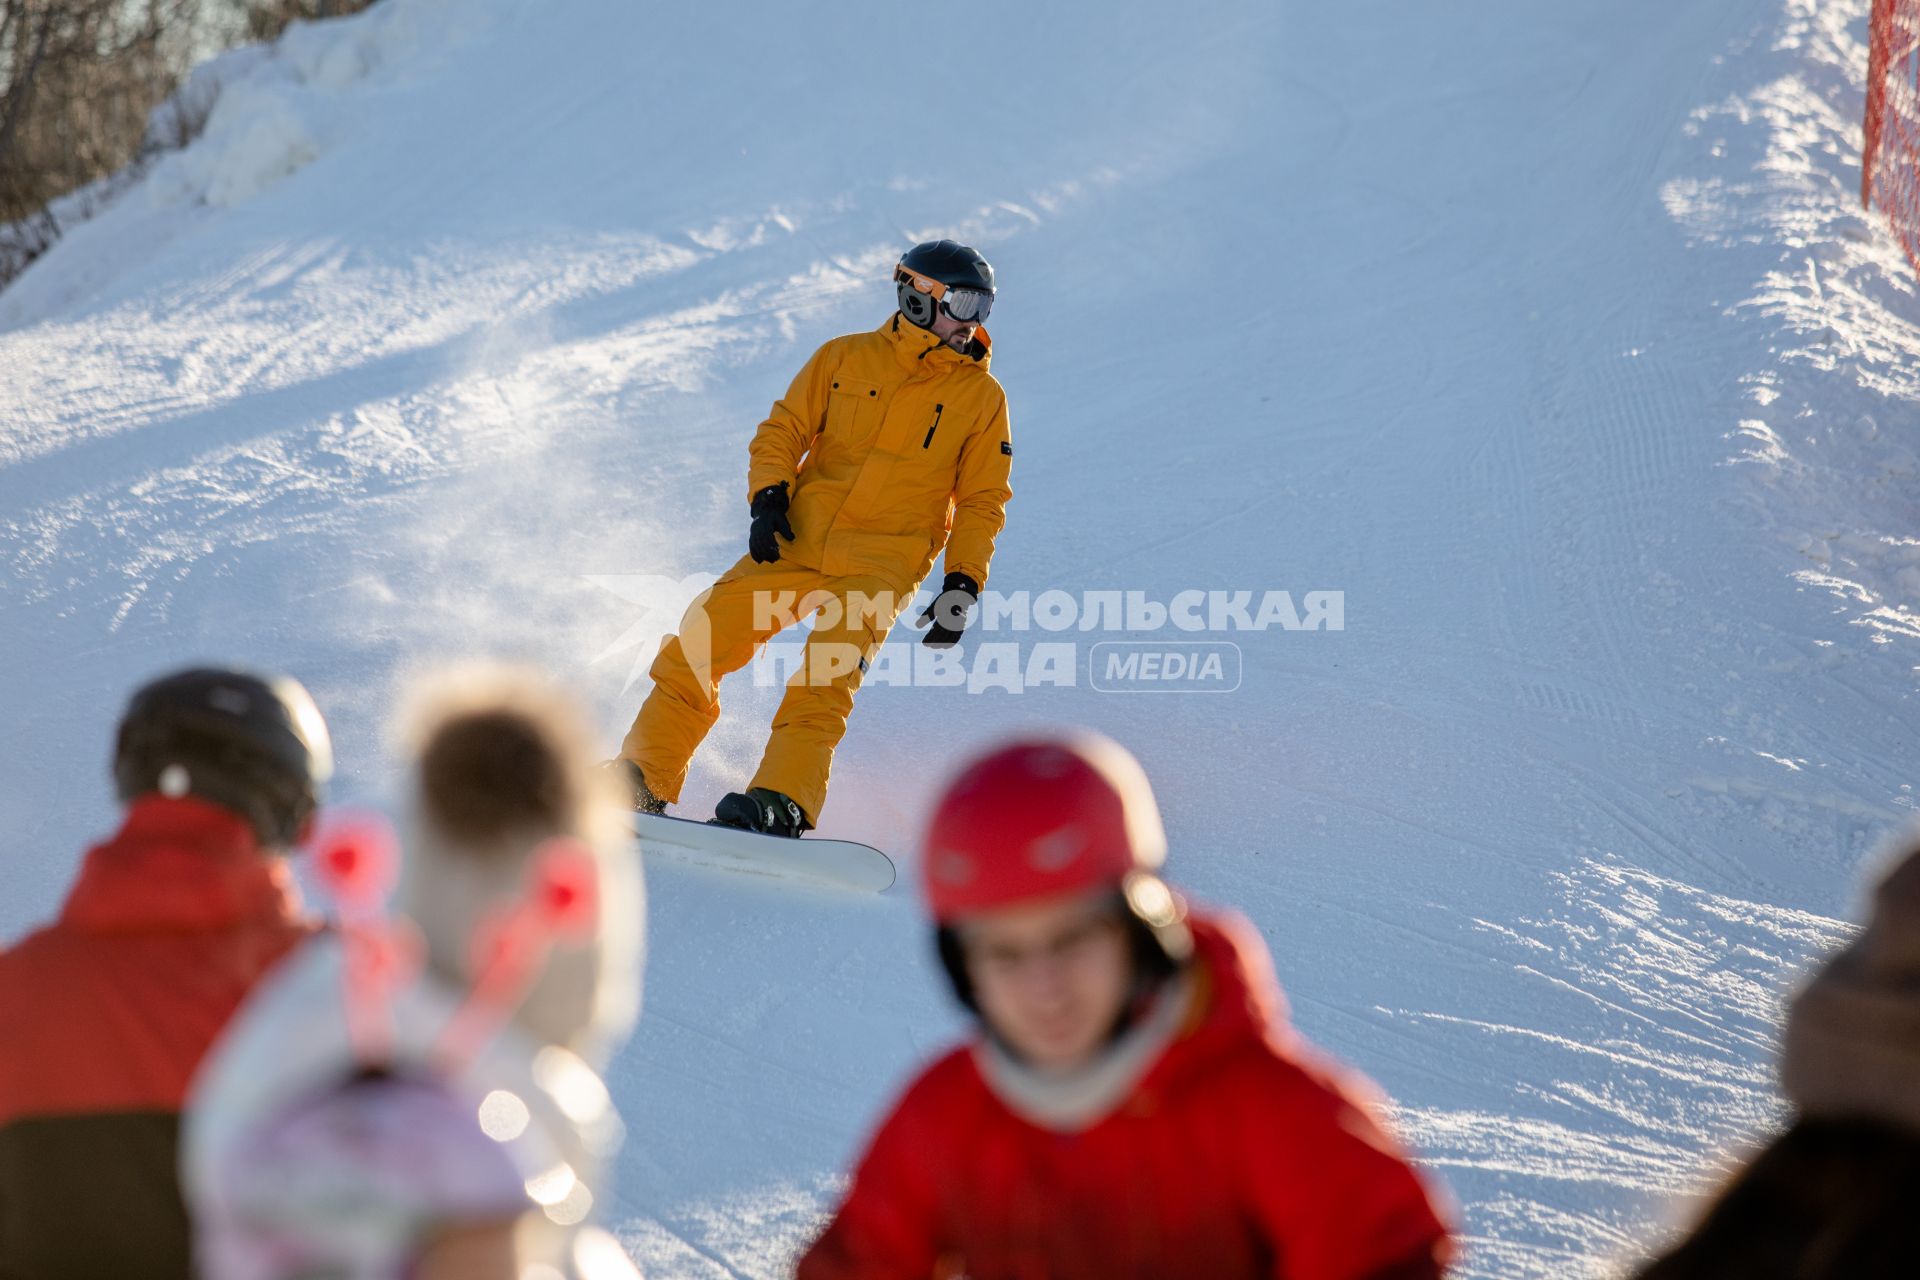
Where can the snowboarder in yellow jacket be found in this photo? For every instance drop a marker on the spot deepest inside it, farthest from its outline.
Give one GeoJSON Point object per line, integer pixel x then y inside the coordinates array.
{"type": "Point", "coordinates": [889, 446]}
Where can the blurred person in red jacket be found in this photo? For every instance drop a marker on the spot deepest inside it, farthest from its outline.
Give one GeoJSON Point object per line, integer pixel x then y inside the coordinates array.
{"type": "Point", "coordinates": [1135, 1104]}
{"type": "Point", "coordinates": [108, 1010]}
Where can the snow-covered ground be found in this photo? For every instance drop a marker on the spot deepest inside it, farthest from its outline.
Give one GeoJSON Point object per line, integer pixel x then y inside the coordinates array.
{"type": "Point", "coordinates": [1551, 335]}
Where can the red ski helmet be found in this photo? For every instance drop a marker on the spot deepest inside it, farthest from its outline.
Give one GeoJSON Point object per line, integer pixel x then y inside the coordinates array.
{"type": "Point", "coordinates": [1039, 817]}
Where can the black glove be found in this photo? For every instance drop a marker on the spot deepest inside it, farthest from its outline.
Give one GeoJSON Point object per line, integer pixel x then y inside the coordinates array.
{"type": "Point", "coordinates": [769, 512]}
{"type": "Point", "coordinates": [946, 617]}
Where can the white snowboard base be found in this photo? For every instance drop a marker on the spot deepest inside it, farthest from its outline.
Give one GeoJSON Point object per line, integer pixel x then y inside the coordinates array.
{"type": "Point", "coordinates": [838, 864]}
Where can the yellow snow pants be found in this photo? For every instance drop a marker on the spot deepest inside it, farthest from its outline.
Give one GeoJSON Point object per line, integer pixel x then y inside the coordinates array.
{"type": "Point", "coordinates": [721, 632]}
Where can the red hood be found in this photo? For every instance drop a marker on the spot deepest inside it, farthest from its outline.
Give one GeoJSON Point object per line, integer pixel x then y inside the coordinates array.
{"type": "Point", "coordinates": [180, 864]}
{"type": "Point", "coordinates": [1237, 998]}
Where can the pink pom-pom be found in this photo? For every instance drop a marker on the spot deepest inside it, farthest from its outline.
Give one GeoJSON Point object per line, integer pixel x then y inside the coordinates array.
{"type": "Point", "coordinates": [357, 859]}
{"type": "Point", "coordinates": [566, 888]}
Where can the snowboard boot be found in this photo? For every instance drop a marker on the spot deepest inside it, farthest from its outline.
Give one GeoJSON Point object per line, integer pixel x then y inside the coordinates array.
{"type": "Point", "coordinates": [633, 784]}
{"type": "Point", "coordinates": [767, 812]}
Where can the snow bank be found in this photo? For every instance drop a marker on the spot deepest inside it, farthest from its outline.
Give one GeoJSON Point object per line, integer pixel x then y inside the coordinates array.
{"type": "Point", "coordinates": [1829, 444]}
{"type": "Point", "coordinates": [244, 121]}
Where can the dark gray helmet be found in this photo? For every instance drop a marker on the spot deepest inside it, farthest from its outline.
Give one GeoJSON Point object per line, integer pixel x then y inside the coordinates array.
{"type": "Point", "coordinates": [255, 745]}
{"type": "Point", "coordinates": [953, 266]}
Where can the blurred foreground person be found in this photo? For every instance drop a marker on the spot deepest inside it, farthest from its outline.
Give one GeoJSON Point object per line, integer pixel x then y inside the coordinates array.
{"type": "Point", "coordinates": [1835, 1196]}
{"type": "Point", "coordinates": [419, 1097]}
{"type": "Point", "coordinates": [1135, 1103]}
{"type": "Point", "coordinates": [105, 1014]}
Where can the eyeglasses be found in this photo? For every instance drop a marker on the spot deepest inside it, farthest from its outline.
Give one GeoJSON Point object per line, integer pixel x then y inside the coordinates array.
{"type": "Point", "coordinates": [969, 306]}
{"type": "Point", "coordinates": [1072, 947]}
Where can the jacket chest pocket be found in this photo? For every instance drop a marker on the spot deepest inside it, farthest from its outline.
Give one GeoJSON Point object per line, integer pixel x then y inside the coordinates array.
{"type": "Point", "coordinates": [941, 429]}
{"type": "Point", "coordinates": [853, 412]}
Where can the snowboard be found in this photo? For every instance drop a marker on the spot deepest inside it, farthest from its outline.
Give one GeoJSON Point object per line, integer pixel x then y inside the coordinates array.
{"type": "Point", "coordinates": [836, 864]}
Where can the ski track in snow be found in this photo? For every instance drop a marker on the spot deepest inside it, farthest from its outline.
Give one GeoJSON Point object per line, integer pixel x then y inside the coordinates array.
{"type": "Point", "coordinates": [1554, 337]}
{"type": "Point", "coordinates": [1664, 1001]}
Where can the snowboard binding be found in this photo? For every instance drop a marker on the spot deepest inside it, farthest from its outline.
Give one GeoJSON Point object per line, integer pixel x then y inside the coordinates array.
{"type": "Point", "coordinates": [758, 809]}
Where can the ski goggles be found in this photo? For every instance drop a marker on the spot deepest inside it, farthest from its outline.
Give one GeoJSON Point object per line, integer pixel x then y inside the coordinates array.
{"type": "Point", "coordinates": [964, 305]}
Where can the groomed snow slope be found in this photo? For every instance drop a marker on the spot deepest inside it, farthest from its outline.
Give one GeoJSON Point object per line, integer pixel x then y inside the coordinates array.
{"type": "Point", "coordinates": [1548, 334]}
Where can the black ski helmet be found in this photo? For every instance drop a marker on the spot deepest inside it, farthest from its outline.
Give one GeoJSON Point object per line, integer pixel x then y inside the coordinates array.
{"type": "Point", "coordinates": [951, 263]}
{"type": "Point", "coordinates": [252, 744]}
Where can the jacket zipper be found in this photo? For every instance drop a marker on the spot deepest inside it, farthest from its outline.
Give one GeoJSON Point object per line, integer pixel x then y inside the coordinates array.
{"type": "Point", "coordinates": [937, 411]}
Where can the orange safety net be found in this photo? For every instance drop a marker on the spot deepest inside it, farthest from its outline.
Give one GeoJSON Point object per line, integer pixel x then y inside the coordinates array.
{"type": "Point", "coordinates": [1890, 164]}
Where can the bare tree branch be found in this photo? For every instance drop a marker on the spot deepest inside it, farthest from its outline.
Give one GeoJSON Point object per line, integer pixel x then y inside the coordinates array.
{"type": "Point", "coordinates": [20, 93]}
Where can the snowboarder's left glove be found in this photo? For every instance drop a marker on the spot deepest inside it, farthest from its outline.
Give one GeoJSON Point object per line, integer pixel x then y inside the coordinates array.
{"type": "Point", "coordinates": [769, 512]}
{"type": "Point", "coordinates": [946, 617]}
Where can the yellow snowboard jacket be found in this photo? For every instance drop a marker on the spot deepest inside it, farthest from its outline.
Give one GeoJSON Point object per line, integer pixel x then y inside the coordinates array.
{"type": "Point", "coordinates": [895, 445]}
